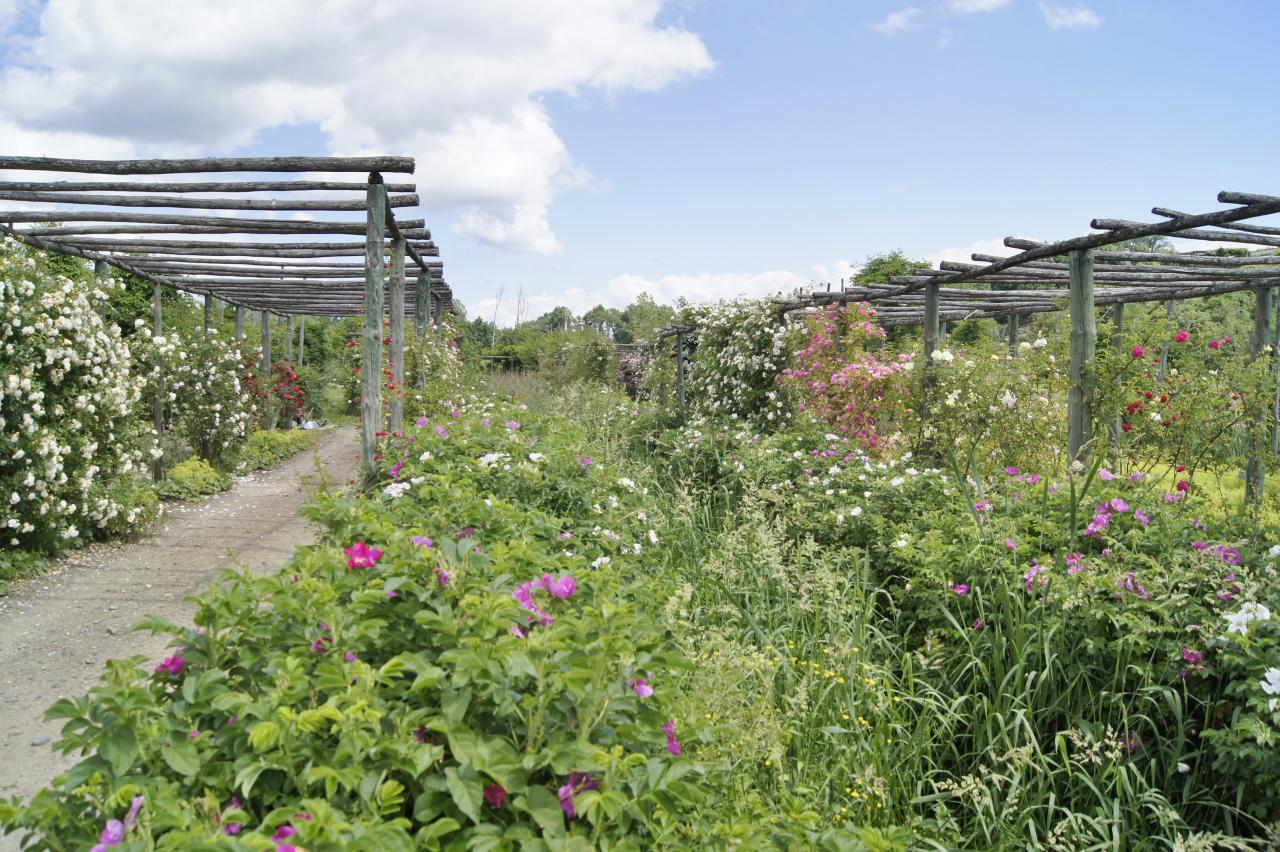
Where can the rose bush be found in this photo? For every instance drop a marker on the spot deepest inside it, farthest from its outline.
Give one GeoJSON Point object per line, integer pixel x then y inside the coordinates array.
{"type": "Point", "coordinates": [68, 438]}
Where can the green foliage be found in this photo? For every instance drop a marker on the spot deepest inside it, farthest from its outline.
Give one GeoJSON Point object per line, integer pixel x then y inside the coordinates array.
{"type": "Point", "coordinates": [192, 479]}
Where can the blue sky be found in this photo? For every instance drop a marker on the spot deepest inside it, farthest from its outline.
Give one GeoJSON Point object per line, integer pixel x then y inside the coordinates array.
{"type": "Point", "coordinates": [775, 143]}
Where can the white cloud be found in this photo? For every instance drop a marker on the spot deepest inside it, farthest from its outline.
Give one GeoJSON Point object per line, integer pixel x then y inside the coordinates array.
{"type": "Point", "coordinates": [944, 40]}
{"type": "Point", "coordinates": [898, 22]}
{"type": "Point", "coordinates": [457, 85]}
{"type": "Point", "coordinates": [1070, 17]}
{"type": "Point", "coordinates": [962, 253]}
{"type": "Point", "coordinates": [968, 7]}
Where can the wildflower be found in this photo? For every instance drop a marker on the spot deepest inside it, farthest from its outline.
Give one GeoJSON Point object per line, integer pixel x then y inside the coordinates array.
{"type": "Point", "coordinates": [1118, 505]}
{"type": "Point", "coordinates": [1213, 344]}
{"type": "Point", "coordinates": [361, 555]}
{"type": "Point", "coordinates": [1137, 352]}
{"type": "Point", "coordinates": [1127, 426]}
{"type": "Point", "coordinates": [442, 432]}
{"type": "Point", "coordinates": [585, 461]}
{"type": "Point", "coordinates": [350, 656]}
{"type": "Point", "coordinates": [960, 589]}
{"type": "Point", "coordinates": [1182, 485]}
{"type": "Point", "coordinates": [112, 835]}
{"type": "Point", "coordinates": [673, 745]}
{"type": "Point", "coordinates": [421, 422]}
{"type": "Point", "coordinates": [979, 624]}
{"type": "Point", "coordinates": [443, 576]}
{"type": "Point", "coordinates": [172, 665]}
{"type": "Point", "coordinates": [515, 631]}
{"type": "Point", "coordinates": [1009, 400]}
{"type": "Point", "coordinates": [1274, 551]}
{"type": "Point", "coordinates": [1271, 686]}
{"type": "Point", "coordinates": [536, 457]}
{"type": "Point", "coordinates": [578, 782]}
{"type": "Point", "coordinates": [1141, 517]}
{"type": "Point", "coordinates": [562, 588]}
{"type": "Point", "coordinates": [1034, 572]}
{"type": "Point", "coordinates": [1249, 612]}
{"type": "Point", "coordinates": [1011, 544]}
{"type": "Point", "coordinates": [982, 506]}
{"type": "Point", "coordinates": [1182, 337]}
{"type": "Point", "coordinates": [495, 795]}
{"type": "Point", "coordinates": [641, 687]}
{"type": "Point", "coordinates": [422, 541]}
{"type": "Point", "coordinates": [512, 425]}
{"type": "Point", "coordinates": [396, 468]}
{"type": "Point", "coordinates": [1105, 475]}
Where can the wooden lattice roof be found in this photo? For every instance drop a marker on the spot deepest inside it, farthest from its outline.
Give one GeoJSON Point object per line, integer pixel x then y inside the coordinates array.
{"type": "Point", "coordinates": [273, 254]}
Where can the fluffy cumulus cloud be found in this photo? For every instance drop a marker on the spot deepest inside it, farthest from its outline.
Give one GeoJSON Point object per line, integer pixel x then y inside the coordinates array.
{"type": "Point", "coordinates": [968, 7]}
{"type": "Point", "coordinates": [1070, 17]}
{"type": "Point", "coordinates": [899, 22]}
{"type": "Point", "coordinates": [457, 85]}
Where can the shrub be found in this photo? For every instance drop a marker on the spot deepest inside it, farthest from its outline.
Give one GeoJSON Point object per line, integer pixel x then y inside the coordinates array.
{"type": "Point", "coordinates": [192, 479]}
{"type": "Point", "coordinates": [66, 400]}
{"type": "Point", "coordinates": [267, 447]}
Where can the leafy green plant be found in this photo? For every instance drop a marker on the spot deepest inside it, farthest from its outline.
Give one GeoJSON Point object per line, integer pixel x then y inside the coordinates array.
{"type": "Point", "coordinates": [192, 479]}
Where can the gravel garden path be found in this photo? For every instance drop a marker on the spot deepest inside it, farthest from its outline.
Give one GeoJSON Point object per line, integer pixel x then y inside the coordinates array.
{"type": "Point", "coordinates": [56, 630]}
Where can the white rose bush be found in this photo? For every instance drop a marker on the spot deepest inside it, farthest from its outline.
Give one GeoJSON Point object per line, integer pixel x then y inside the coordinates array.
{"type": "Point", "coordinates": [69, 457]}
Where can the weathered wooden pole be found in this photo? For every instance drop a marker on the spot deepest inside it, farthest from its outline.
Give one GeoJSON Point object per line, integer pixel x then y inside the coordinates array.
{"type": "Point", "coordinates": [1255, 472]}
{"type": "Point", "coordinates": [302, 340]}
{"type": "Point", "coordinates": [927, 377]}
{"type": "Point", "coordinates": [208, 312]}
{"type": "Point", "coordinates": [680, 394]}
{"type": "Point", "coordinates": [218, 306]}
{"type": "Point", "coordinates": [1014, 322]}
{"type": "Point", "coordinates": [396, 420]}
{"type": "Point", "coordinates": [1084, 339]}
{"type": "Point", "coordinates": [1171, 310]}
{"type": "Point", "coordinates": [239, 332]}
{"type": "Point", "coordinates": [288, 339]}
{"type": "Point", "coordinates": [157, 404]}
{"type": "Point", "coordinates": [1275, 366]}
{"type": "Point", "coordinates": [421, 298]}
{"type": "Point", "coordinates": [371, 371]}
{"type": "Point", "coordinates": [437, 317]}
{"type": "Point", "coordinates": [1116, 427]}
{"type": "Point", "coordinates": [264, 368]}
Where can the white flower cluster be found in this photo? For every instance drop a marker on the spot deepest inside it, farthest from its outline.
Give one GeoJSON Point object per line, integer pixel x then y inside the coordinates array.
{"type": "Point", "coordinates": [66, 394]}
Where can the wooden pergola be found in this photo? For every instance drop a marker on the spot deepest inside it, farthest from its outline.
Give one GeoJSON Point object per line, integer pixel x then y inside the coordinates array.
{"type": "Point", "coordinates": [1078, 275]}
{"type": "Point", "coordinates": [279, 251]}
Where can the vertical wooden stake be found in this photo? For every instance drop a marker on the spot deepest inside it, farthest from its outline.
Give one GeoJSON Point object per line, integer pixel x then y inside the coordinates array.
{"type": "Point", "coordinates": [1084, 340]}
{"type": "Point", "coordinates": [1255, 472]}
{"type": "Point", "coordinates": [208, 312]}
{"type": "Point", "coordinates": [1014, 322]}
{"type": "Point", "coordinates": [302, 340]}
{"type": "Point", "coordinates": [288, 339]}
{"type": "Point", "coordinates": [396, 420]}
{"type": "Point", "coordinates": [1115, 429]}
{"type": "Point", "coordinates": [421, 297]}
{"type": "Point", "coordinates": [1170, 310]}
{"type": "Point", "coordinates": [371, 370]}
{"type": "Point", "coordinates": [680, 397]}
{"type": "Point", "coordinates": [437, 317]}
{"type": "Point", "coordinates": [239, 332]}
{"type": "Point", "coordinates": [930, 346]}
{"type": "Point", "coordinates": [157, 404]}
{"type": "Point", "coordinates": [264, 368]}
{"type": "Point", "coordinates": [1275, 366]}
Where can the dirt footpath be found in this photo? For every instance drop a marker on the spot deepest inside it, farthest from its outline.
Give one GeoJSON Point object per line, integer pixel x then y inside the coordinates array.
{"type": "Point", "coordinates": [57, 630]}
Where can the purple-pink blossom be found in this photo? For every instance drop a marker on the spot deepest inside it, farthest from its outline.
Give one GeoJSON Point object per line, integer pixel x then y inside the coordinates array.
{"type": "Point", "coordinates": [960, 589]}
{"type": "Point", "coordinates": [641, 687]}
{"type": "Point", "coordinates": [669, 728]}
{"type": "Point", "coordinates": [422, 541]}
{"type": "Point", "coordinates": [1105, 475]}
{"type": "Point", "coordinates": [422, 422]}
{"type": "Point", "coordinates": [443, 576]}
{"type": "Point", "coordinates": [579, 782]}
{"type": "Point", "coordinates": [361, 555]}
{"type": "Point", "coordinates": [442, 432]}
{"type": "Point", "coordinates": [172, 665]}
{"type": "Point", "coordinates": [1141, 517]}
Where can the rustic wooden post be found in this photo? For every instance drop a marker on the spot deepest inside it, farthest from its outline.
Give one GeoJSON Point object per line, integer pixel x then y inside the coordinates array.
{"type": "Point", "coordinates": [930, 346]}
{"type": "Point", "coordinates": [371, 377]}
{"type": "Point", "coordinates": [1171, 310]}
{"type": "Point", "coordinates": [437, 317]}
{"type": "Point", "coordinates": [264, 368]}
{"type": "Point", "coordinates": [1255, 472]}
{"type": "Point", "coordinates": [1084, 339]}
{"type": "Point", "coordinates": [396, 420]}
{"type": "Point", "coordinates": [218, 305]}
{"type": "Point", "coordinates": [288, 339]}
{"type": "Point", "coordinates": [421, 298]}
{"type": "Point", "coordinates": [157, 404]}
{"type": "Point", "coordinates": [680, 397]}
{"type": "Point", "coordinates": [1014, 322]}
{"type": "Point", "coordinates": [208, 312]}
{"type": "Point", "coordinates": [1275, 362]}
{"type": "Point", "coordinates": [302, 340]}
{"type": "Point", "coordinates": [1116, 428]}
{"type": "Point", "coordinates": [239, 332]}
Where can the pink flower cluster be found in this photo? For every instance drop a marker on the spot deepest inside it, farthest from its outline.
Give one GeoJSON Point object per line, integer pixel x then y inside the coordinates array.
{"type": "Point", "coordinates": [562, 589]}
{"type": "Point", "coordinates": [361, 555]}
